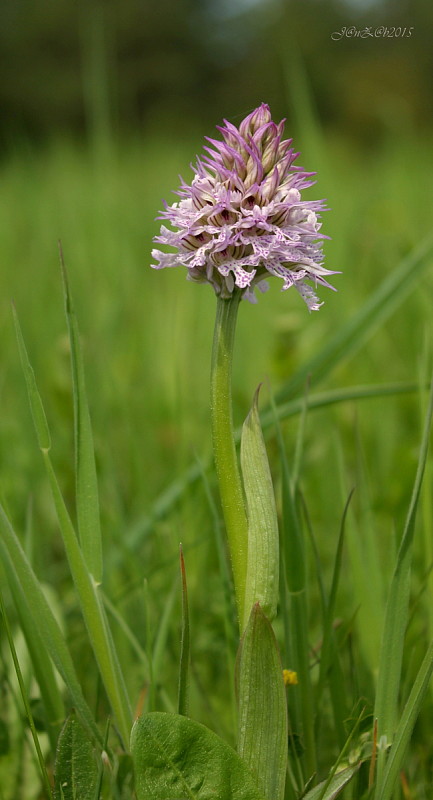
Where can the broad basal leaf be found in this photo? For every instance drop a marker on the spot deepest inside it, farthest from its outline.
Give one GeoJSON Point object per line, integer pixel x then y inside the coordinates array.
{"type": "Point", "coordinates": [176, 758]}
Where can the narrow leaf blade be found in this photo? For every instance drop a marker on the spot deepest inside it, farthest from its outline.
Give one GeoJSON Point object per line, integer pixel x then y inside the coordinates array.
{"type": "Point", "coordinates": [183, 695]}
{"type": "Point", "coordinates": [25, 699]}
{"type": "Point", "coordinates": [294, 562]}
{"type": "Point", "coordinates": [93, 612]}
{"type": "Point", "coordinates": [329, 659]}
{"type": "Point", "coordinates": [161, 507]}
{"type": "Point", "coordinates": [87, 498]}
{"type": "Point", "coordinates": [397, 606]}
{"type": "Point", "coordinates": [90, 603]}
{"type": "Point", "coordinates": [40, 658]}
{"type": "Point", "coordinates": [406, 725]}
{"type": "Point", "coordinates": [35, 402]}
{"type": "Point", "coordinates": [337, 784]}
{"type": "Point", "coordinates": [43, 619]}
{"type": "Point", "coordinates": [359, 327]}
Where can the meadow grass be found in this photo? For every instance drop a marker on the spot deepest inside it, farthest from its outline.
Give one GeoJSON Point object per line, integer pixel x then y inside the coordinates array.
{"type": "Point", "coordinates": [146, 339]}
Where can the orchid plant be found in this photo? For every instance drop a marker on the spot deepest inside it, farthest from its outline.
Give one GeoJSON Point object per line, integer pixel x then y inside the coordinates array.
{"type": "Point", "coordinates": [241, 221]}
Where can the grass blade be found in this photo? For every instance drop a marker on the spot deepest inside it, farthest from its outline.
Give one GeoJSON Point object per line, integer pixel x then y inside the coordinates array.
{"type": "Point", "coordinates": [293, 559]}
{"type": "Point", "coordinates": [329, 659]}
{"type": "Point", "coordinates": [25, 699]}
{"type": "Point", "coordinates": [87, 497]}
{"type": "Point", "coordinates": [35, 402]}
{"type": "Point", "coordinates": [90, 603]}
{"type": "Point", "coordinates": [379, 306]}
{"type": "Point", "coordinates": [175, 490]}
{"type": "Point", "coordinates": [396, 615]}
{"type": "Point", "coordinates": [185, 643]}
{"type": "Point", "coordinates": [93, 613]}
{"type": "Point", "coordinates": [157, 650]}
{"type": "Point", "coordinates": [40, 658]}
{"type": "Point", "coordinates": [229, 602]}
{"type": "Point", "coordinates": [333, 788]}
{"type": "Point", "coordinates": [128, 633]}
{"type": "Point", "coordinates": [406, 725]}
{"type": "Point", "coordinates": [149, 693]}
{"type": "Point", "coordinates": [361, 545]}
{"type": "Point", "coordinates": [230, 620]}
{"type": "Point", "coordinates": [43, 619]}
{"type": "Point", "coordinates": [321, 400]}
{"type": "Point", "coordinates": [324, 794]}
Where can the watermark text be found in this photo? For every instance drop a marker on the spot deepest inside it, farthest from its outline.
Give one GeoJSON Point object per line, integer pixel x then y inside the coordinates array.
{"type": "Point", "coordinates": [381, 32]}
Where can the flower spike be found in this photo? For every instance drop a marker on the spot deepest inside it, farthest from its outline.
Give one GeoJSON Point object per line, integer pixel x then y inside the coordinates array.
{"type": "Point", "coordinates": [242, 219]}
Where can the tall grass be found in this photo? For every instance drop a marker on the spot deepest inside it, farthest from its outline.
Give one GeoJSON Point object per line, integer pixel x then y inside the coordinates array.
{"type": "Point", "coordinates": [146, 340]}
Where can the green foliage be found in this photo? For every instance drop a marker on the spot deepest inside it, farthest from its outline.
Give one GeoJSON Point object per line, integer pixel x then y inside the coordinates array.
{"type": "Point", "coordinates": [224, 452]}
{"type": "Point", "coordinates": [53, 705]}
{"type": "Point", "coordinates": [262, 724]}
{"type": "Point", "coordinates": [263, 543]}
{"type": "Point", "coordinates": [388, 688]}
{"type": "Point", "coordinates": [41, 617]}
{"type": "Point", "coordinates": [389, 294]}
{"type": "Point", "coordinates": [405, 727]}
{"type": "Point", "coordinates": [26, 701]}
{"type": "Point", "coordinates": [76, 771]}
{"type": "Point", "coordinates": [295, 608]}
{"type": "Point", "coordinates": [327, 790]}
{"type": "Point", "coordinates": [35, 402]}
{"type": "Point", "coordinates": [87, 485]}
{"type": "Point", "coordinates": [91, 606]}
{"type": "Point", "coordinates": [176, 757]}
{"type": "Point", "coordinates": [184, 644]}
{"type": "Point", "coordinates": [4, 738]}
{"type": "Point", "coordinates": [117, 63]}
{"type": "Point", "coordinates": [330, 670]}
{"type": "Point", "coordinates": [146, 340]}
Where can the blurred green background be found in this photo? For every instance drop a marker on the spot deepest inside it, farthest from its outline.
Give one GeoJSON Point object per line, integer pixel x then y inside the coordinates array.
{"type": "Point", "coordinates": [97, 67]}
{"type": "Point", "coordinates": [103, 105]}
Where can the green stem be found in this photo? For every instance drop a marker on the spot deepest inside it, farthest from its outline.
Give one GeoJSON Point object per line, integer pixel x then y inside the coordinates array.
{"type": "Point", "coordinates": [226, 463]}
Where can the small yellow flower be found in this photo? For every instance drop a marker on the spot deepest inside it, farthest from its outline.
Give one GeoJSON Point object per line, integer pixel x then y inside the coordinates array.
{"type": "Point", "coordinates": [290, 677]}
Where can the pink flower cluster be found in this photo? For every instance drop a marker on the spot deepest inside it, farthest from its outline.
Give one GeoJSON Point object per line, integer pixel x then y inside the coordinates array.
{"type": "Point", "coordinates": [242, 218]}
